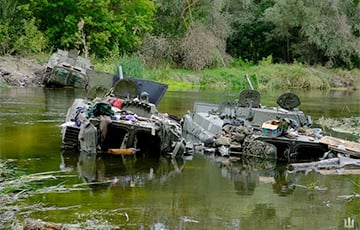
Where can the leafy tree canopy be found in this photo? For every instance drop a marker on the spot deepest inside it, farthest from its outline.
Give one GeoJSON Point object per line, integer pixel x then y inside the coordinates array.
{"type": "Point", "coordinates": [95, 26]}
{"type": "Point", "coordinates": [194, 34]}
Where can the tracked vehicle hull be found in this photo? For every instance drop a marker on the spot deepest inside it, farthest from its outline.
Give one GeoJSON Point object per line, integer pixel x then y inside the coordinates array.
{"type": "Point", "coordinates": [295, 140]}
{"type": "Point", "coordinates": [121, 123]}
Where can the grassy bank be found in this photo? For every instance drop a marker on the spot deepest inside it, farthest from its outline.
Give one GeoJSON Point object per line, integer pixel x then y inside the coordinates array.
{"type": "Point", "coordinates": [265, 75]}
{"type": "Point", "coordinates": [272, 76]}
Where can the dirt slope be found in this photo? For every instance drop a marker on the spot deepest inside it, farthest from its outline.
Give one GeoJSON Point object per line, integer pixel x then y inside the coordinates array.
{"type": "Point", "coordinates": [21, 72]}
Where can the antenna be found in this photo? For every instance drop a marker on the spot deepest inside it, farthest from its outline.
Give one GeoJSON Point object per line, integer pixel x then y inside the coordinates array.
{"type": "Point", "coordinates": [120, 72]}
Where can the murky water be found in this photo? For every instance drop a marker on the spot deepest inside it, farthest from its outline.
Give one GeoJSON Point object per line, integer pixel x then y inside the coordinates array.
{"type": "Point", "coordinates": [163, 194]}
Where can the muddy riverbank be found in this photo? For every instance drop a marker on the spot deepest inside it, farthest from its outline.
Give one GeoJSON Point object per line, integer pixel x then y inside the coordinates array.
{"type": "Point", "coordinates": [21, 72]}
{"type": "Point", "coordinates": [29, 72]}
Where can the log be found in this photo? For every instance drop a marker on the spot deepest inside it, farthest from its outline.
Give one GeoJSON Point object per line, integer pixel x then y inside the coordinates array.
{"type": "Point", "coordinates": [342, 146]}
{"type": "Point", "coordinates": [332, 163]}
{"type": "Point", "coordinates": [32, 224]}
{"type": "Point", "coordinates": [328, 163]}
{"type": "Point", "coordinates": [339, 171]}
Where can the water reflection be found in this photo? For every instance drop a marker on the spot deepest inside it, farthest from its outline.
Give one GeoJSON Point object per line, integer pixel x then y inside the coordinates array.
{"type": "Point", "coordinates": [106, 171]}
{"type": "Point", "coordinates": [263, 216]}
{"type": "Point", "coordinates": [284, 183]}
{"type": "Point", "coordinates": [247, 172]}
{"type": "Point", "coordinates": [243, 195]}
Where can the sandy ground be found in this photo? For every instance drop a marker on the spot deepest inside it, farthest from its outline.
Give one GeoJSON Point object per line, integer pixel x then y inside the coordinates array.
{"type": "Point", "coordinates": [21, 72]}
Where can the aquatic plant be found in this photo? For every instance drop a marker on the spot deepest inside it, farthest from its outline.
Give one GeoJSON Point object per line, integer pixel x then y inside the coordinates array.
{"type": "Point", "coordinates": [15, 186]}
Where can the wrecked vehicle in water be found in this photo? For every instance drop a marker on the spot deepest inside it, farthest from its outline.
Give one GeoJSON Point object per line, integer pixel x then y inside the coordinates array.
{"type": "Point", "coordinates": [123, 121]}
{"type": "Point", "coordinates": [65, 69]}
{"type": "Point", "coordinates": [68, 69]}
{"type": "Point", "coordinates": [245, 127]}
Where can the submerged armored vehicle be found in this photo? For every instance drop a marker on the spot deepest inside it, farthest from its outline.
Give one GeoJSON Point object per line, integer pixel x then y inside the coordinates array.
{"type": "Point", "coordinates": [236, 125]}
{"type": "Point", "coordinates": [124, 121]}
{"type": "Point", "coordinates": [208, 119]}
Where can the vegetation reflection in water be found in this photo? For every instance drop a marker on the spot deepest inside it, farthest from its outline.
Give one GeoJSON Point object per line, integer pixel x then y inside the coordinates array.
{"type": "Point", "coordinates": [201, 193]}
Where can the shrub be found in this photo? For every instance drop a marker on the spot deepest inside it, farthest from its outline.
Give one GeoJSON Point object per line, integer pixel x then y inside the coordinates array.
{"type": "Point", "coordinates": [32, 41]}
{"type": "Point", "coordinates": [132, 66]}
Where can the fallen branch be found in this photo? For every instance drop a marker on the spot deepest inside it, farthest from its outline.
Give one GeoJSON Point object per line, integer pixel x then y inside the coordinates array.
{"type": "Point", "coordinates": [349, 197]}
{"type": "Point", "coordinates": [332, 163]}
{"type": "Point", "coordinates": [94, 183]}
{"type": "Point", "coordinates": [328, 163]}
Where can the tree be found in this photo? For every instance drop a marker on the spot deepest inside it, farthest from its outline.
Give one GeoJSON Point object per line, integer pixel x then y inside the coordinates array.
{"type": "Point", "coordinates": [286, 16]}
{"type": "Point", "coordinates": [250, 38]}
{"type": "Point", "coordinates": [333, 31]}
{"type": "Point", "coordinates": [195, 32]}
{"type": "Point", "coordinates": [18, 29]}
{"type": "Point", "coordinates": [104, 23]}
{"type": "Point", "coordinates": [58, 20]}
{"type": "Point", "coordinates": [31, 41]}
{"type": "Point", "coordinates": [313, 32]}
{"type": "Point", "coordinates": [324, 27]}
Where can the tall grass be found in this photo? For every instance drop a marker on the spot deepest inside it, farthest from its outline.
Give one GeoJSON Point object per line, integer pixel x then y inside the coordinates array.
{"type": "Point", "coordinates": [284, 76]}
{"type": "Point", "coordinates": [132, 65]}
{"type": "Point", "coordinates": [264, 75]}
{"type": "Point", "coordinates": [232, 78]}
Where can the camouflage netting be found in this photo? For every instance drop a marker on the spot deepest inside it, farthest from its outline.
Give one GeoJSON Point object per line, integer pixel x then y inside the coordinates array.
{"type": "Point", "coordinates": [259, 149]}
{"type": "Point", "coordinates": [241, 141]}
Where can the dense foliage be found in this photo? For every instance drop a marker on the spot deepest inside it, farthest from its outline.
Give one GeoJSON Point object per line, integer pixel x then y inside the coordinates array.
{"type": "Point", "coordinates": [192, 34]}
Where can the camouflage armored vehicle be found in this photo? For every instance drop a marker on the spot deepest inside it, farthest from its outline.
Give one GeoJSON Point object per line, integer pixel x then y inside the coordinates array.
{"type": "Point", "coordinates": [246, 111]}
{"type": "Point", "coordinates": [244, 125]}
{"type": "Point", "coordinates": [123, 121]}
{"type": "Point", "coordinates": [65, 69]}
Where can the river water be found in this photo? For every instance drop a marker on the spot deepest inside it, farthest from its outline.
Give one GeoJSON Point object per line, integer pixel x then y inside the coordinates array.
{"type": "Point", "coordinates": [160, 194]}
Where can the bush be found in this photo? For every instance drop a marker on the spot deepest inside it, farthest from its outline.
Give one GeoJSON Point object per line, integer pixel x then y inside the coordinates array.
{"type": "Point", "coordinates": [132, 66]}
{"type": "Point", "coordinates": [32, 41]}
{"type": "Point", "coordinates": [283, 76]}
{"type": "Point", "coordinates": [201, 48]}
{"type": "Point", "coordinates": [155, 51]}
